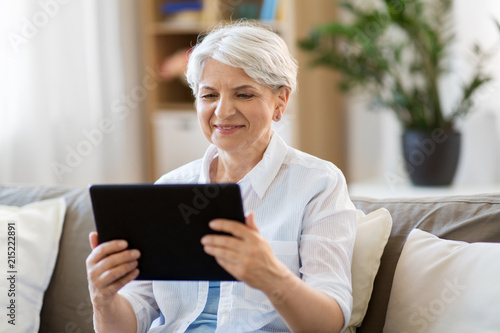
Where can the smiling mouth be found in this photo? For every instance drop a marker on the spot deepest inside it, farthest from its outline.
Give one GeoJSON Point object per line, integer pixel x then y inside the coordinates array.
{"type": "Point", "coordinates": [228, 127]}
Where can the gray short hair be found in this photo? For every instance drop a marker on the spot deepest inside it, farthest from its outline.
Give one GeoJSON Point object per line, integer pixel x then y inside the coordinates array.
{"type": "Point", "coordinates": [260, 52]}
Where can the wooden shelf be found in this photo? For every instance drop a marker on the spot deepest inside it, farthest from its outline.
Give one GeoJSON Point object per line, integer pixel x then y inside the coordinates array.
{"type": "Point", "coordinates": [165, 107]}
{"type": "Point", "coordinates": [177, 28]}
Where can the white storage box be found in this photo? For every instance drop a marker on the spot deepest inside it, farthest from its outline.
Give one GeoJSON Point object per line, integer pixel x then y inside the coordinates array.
{"type": "Point", "coordinates": [178, 139]}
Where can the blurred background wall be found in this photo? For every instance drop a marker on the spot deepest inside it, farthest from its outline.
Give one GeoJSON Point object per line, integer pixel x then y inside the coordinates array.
{"type": "Point", "coordinates": [74, 82]}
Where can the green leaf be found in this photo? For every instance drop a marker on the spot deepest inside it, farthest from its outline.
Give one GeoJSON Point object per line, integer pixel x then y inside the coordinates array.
{"type": "Point", "coordinates": [476, 49]}
{"type": "Point", "coordinates": [497, 23]}
{"type": "Point", "coordinates": [349, 7]}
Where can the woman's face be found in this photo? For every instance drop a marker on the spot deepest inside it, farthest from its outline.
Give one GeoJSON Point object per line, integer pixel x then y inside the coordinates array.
{"type": "Point", "coordinates": [235, 112]}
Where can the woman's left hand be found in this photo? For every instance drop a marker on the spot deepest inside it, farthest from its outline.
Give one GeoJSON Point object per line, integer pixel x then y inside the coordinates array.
{"type": "Point", "coordinates": [249, 258]}
{"type": "Point", "coordinates": [246, 254]}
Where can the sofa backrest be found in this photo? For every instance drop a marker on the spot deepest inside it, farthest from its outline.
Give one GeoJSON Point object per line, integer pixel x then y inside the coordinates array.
{"type": "Point", "coordinates": [67, 306]}
{"type": "Point", "coordinates": [472, 218]}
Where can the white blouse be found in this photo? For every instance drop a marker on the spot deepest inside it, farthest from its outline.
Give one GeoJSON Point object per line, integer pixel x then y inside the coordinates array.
{"type": "Point", "coordinates": [301, 207]}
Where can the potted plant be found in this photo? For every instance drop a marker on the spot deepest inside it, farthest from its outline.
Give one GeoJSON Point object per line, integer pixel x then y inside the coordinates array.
{"type": "Point", "coordinates": [399, 52]}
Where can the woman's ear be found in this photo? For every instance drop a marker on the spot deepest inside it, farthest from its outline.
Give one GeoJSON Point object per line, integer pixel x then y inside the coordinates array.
{"type": "Point", "coordinates": [283, 94]}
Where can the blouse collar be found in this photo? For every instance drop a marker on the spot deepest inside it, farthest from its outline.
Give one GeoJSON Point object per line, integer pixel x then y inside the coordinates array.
{"type": "Point", "coordinates": [262, 175]}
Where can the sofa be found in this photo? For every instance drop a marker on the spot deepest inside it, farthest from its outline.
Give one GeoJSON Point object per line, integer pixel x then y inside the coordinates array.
{"type": "Point", "coordinates": [474, 218]}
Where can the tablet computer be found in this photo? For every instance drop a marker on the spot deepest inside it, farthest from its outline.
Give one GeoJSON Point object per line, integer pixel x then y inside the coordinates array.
{"type": "Point", "coordinates": [166, 223]}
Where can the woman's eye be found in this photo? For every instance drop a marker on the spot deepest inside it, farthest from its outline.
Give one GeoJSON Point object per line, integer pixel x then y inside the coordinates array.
{"type": "Point", "coordinates": [245, 96]}
{"type": "Point", "coordinates": [207, 96]}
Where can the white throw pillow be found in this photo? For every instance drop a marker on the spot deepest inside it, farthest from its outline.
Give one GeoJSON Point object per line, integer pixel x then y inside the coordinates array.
{"type": "Point", "coordinates": [445, 286]}
{"type": "Point", "coordinates": [29, 243]}
{"type": "Point", "coordinates": [373, 232]}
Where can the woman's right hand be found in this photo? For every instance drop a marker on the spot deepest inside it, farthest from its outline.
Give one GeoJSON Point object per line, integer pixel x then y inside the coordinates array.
{"type": "Point", "coordinates": [109, 267]}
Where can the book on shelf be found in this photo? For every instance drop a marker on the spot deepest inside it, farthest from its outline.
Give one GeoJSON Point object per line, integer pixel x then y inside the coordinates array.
{"type": "Point", "coordinates": [268, 10]}
{"type": "Point", "coordinates": [181, 6]}
{"type": "Point", "coordinates": [183, 11]}
{"type": "Point", "coordinates": [248, 10]}
{"type": "Point", "coordinates": [212, 11]}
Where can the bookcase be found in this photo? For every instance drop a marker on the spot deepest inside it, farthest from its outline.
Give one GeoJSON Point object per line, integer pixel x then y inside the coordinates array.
{"type": "Point", "coordinates": [165, 34]}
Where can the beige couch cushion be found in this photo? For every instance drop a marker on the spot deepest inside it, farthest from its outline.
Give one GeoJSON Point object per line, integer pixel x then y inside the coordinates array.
{"type": "Point", "coordinates": [372, 233]}
{"type": "Point", "coordinates": [445, 286]}
{"type": "Point", "coordinates": [466, 218]}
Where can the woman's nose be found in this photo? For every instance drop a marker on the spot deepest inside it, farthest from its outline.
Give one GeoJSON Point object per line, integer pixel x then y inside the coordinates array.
{"type": "Point", "coordinates": [224, 108]}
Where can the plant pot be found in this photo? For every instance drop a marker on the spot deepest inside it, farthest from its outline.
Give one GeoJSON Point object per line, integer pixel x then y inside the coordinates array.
{"type": "Point", "coordinates": [431, 157]}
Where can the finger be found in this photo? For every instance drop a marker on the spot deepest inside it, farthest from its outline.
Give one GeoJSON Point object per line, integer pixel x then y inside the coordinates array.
{"type": "Point", "coordinates": [93, 240]}
{"type": "Point", "coordinates": [116, 277]}
{"type": "Point", "coordinates": [116, 260]}
{"type": "Point", "coordinates": [234, 228]}
{"type": "Point", "coordinates": [226, 242]}
{"type": "Point", "coordinates": [105, 249]}
{"type": "Point", "coordinates": [124, 280]}
{"type": "Point", "coordinates": [250, 221]}
{"type": "Point", "coordinates": [222, 254]}
{"type": "Point", "coordinates": [113, 267]}
{"type": "Point", "coordinates": [232, 268]}
{"type": "Point", "coordinates": [228, 266]}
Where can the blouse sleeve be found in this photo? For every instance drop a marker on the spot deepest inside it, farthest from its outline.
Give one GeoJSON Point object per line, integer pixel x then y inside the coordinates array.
{"type": "Point", "coordinates": [327, 241]}
{"type": "Point", "coordinates": [140, 296]}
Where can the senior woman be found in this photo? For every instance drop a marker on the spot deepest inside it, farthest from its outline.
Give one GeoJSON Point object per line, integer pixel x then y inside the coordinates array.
{"type": "Point", "coordinates": [292, 257]}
